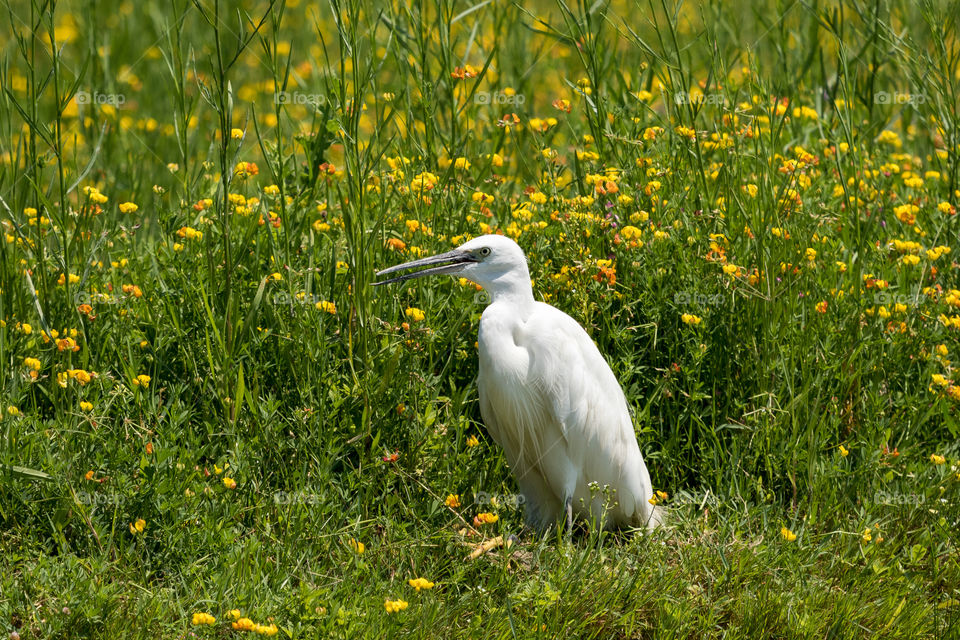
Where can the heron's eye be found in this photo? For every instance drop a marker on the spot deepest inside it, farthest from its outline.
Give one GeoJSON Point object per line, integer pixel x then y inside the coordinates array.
{"type": "Point", "coordinates": [484, 252]}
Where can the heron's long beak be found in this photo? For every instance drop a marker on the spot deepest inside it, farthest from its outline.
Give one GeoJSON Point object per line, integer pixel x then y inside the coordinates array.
{"type": "Point", "coordinates": [449, 262]}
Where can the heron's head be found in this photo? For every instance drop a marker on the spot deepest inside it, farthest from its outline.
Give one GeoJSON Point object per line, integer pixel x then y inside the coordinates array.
{"type": "Point", "coordinates": [494, 262]}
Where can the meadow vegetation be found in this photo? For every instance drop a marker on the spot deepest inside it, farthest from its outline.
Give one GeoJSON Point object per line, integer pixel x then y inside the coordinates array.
{"type": "Point", "coordinates": [214, 426]}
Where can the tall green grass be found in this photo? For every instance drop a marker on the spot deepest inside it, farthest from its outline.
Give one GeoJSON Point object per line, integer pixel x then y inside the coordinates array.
{"type": "Point", "coordinates": [358, 424]}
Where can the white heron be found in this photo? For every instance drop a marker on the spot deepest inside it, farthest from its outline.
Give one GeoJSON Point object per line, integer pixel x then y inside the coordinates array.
{"type": "Point", "coordinates": [548, 397]}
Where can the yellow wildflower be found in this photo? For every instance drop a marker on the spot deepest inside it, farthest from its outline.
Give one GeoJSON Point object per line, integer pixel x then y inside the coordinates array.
{"type": "Point", "coordinates": [658, 497]}
{"type": "Point", "coordinates": [420, 583]}
{"type": "Point", "coordinates": [243, 624]}
{"type": "Point", "coordinates": [394, 606]}
{"type": "Point", "coordinates": [203, 618]}
{"type": "Point", "coordinates": [328, 307]}
{"type": "Point", "coordinates": [485, 518]}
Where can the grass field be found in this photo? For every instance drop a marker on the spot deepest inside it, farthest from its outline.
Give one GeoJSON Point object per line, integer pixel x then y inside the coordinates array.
{"type": "Point", "coordinates": [214, 426]}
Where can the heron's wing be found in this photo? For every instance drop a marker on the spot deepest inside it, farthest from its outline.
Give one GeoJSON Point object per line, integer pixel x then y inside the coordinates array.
{"type": "Point", "coordinates": [587, 404]}
{"type": "Point", "coordinates": [542, 505]}
{"type": "Point", "coordinates": [580, 390]}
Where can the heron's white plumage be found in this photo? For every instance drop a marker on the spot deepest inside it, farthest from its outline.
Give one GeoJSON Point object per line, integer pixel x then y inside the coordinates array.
{"type": "Point", "coordinates": [548, 397]}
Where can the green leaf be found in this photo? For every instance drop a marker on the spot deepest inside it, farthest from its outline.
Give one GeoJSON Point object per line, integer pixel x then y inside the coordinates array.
{"type": "Point", "coordinates": [24, 473]}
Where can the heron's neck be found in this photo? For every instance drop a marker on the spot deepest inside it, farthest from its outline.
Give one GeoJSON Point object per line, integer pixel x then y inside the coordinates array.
{"type": "Point", "coordinates": [513, 288]}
